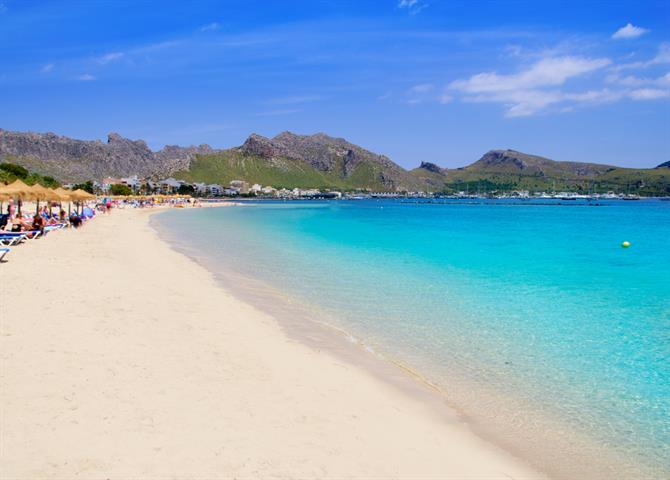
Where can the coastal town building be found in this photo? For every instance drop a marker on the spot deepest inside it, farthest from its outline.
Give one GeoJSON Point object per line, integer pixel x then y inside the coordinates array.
{"type": "Point", "coordinates": [240, 185]}
{"type": "Point", "coordinates": [170, 185]}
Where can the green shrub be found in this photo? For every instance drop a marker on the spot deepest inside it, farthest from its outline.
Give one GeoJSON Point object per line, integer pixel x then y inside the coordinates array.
{"type": "Point", "coordinates": [17, 170]}
{"type": "Point", "coordinates": [120, 189]}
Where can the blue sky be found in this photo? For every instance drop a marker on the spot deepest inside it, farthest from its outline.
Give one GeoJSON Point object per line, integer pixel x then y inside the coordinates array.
{"type": "Point", "coordinates": [418, 80]}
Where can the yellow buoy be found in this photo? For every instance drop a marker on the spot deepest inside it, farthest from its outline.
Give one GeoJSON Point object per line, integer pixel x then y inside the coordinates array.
{"type": "Point", "coordinates": [625, 244]}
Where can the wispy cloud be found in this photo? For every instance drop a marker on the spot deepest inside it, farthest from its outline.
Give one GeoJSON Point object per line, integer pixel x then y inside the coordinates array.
{"type": "Point", "coordinates": [545, 72]}
{"type": "Point", "coordinates": [649, 94]}
{"type": "Point", "coordinates": [419, 93]}
{"type": "Point", "coordinates": [629, 31]}
{"type": "Point", "coordinates": [85, 77]}
{"type": "Point", "coordinates": [3, 8]}
{"type": "Point", "coordinates": [543, 85]}
{"type": "Point", "coordinates": [47, 68]}
{"type": "Point", "coordinates": [532, 89]}
{"type": "Point", "coordinates": [110, 57]}
{"type": "Point", "coordinates": [422, 88]}
{"type": "Point", "coordinates": [634, 81]}
{"type": "Point", "coordinates": [210, 27]}
{"type": "Point", "coordinates": [662, 57]}
{"type": "Point", "coordinates": [412, 6]}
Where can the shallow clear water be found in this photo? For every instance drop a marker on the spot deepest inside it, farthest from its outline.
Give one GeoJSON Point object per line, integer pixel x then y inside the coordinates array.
{"type": "Point", "coordinates": [531, 317]}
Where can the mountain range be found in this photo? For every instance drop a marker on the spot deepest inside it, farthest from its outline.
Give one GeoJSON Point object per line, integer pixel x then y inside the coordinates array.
{"type": "Point", "coordinates": [319, 161]}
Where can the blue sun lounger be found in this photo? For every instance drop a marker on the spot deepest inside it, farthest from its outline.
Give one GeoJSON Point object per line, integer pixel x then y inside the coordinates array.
{"type": "Point", "coordinates": [25, 235]}
{"type": "Point", "coordinates": [12, 238]}
{"type": "Point", "coordinates": [3, 252]}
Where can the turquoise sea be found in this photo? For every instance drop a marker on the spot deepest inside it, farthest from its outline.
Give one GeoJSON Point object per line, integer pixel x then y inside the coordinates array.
{"type": "Point", "coordinates": [548, 336]}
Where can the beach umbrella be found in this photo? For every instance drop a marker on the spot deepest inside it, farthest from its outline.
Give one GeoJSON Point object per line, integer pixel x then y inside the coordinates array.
{"type": "Point", "coordinates": [43, 193]}
{"type": "Point", "coordinates": [80, 195]}
{"type": "Point", "coordinates": [64, 197]}
{"type": "Point", "coordinates": [18, 189]}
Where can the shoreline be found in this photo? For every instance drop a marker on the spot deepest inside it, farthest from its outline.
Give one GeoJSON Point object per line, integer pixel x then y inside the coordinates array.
{"type": "Point", "coordinates": [116, 360]}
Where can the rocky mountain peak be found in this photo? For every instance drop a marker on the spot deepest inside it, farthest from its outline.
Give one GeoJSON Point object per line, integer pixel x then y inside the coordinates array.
{"type": "Point", "coordinates": [69, 159]}
{"type": "Point", "coordinates": [503, 158]}
{"type": "Point", "coordinates": [114, 138]}
{"type": "Point", "coordinates": [431, 167]}
{"type": "Point", "coordinates": [264, 147]}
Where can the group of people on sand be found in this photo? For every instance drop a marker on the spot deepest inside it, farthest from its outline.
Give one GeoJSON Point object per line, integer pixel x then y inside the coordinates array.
{"type": "Point", "coordinates": [16, 221]}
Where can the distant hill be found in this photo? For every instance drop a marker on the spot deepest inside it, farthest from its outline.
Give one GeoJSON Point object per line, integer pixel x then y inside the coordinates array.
{"type": "Point", "coordinates": [290, 160]}
{"type": "Point", "coordinates": [316, 161]}
{"type": "Point", "coordinates": [68, 159]}
{"type": "Point", "coordinates": [511, 170]}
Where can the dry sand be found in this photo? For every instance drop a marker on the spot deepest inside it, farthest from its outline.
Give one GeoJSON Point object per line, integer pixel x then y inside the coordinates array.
{"type": "Point", "coordinates": [121, 358]}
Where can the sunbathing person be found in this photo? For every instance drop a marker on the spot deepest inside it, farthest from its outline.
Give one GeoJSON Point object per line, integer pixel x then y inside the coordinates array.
{"type": "Point", "coordinates": [18, 224]}
{"type": "Point", "coordinates": [75, 220]}
{"type": "Point", "coordinates": [38, 222]}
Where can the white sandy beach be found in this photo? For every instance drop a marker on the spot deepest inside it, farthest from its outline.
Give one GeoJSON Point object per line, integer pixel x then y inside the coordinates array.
{"type": "Point", "coordinates": [121, 358]}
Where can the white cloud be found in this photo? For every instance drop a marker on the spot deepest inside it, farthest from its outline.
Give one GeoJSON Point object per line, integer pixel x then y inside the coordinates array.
{"type": "Point", "coordinates": [536, 87]}
{"type": "Point", "coordinates": [412, 6]}
{"type": "Point", "coordinates": [662, 57]}
{"type": "Point", "coordinates": [445, 98]}
{"type": "Point", "coordinates": [85, 77]}
{"type": "Point", "coordinates": [633, 81]}
{"type": "Point", "coordinates": [604, 95]}
{"type": "Point", "coordinates": [3, 8]}
{"type": "Point", "coordinates": [210, 27]}
{"type": "Point", "coordinates": [546, 72]}
{"type": "Point", "coordinates": [422, 88]}
{"type": "Point", "coordinates": [649, 94]}
{"type": "Point", "coordinates": [47, 68]}
{"type": "Point", "coordinates": [629, 31]}
{"type": "Point", "coordinates": [420, 93]}
{"type": "Point", "coordinates": [110, 57]}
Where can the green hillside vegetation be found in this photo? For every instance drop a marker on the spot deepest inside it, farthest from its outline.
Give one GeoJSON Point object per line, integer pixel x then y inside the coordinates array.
{"type": "Point", "coordinates": [231, 164]}
{"type": "Point", "coordinates": [10, 172]}
{"type": "Point", "coordinates": [621, 180]}
{"type": "Point", "coordinates": [504, 171]}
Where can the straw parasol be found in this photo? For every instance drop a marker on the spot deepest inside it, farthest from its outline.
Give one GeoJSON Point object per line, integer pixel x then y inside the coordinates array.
{"type": "Point", "coordinates": [43, 193]}
{"type": "Point", "coordinates": [18, 189]}
{"type": "Point", "coordinates": [63, 195]}
{"type": "Point", "coordinates": [80, 195]}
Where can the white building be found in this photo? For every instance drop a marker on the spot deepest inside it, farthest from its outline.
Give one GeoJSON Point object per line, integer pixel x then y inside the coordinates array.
{"type": "Point", "coordinates": [133, 182]}
{"type": "Point", "coordinates": [200, 188]}
{"type": "Point", "coordinates": [240, 185]}
{"type": "Point", "coordinates": [170, 185]}
{"type": "Point", "coordinates": [215, 189]}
